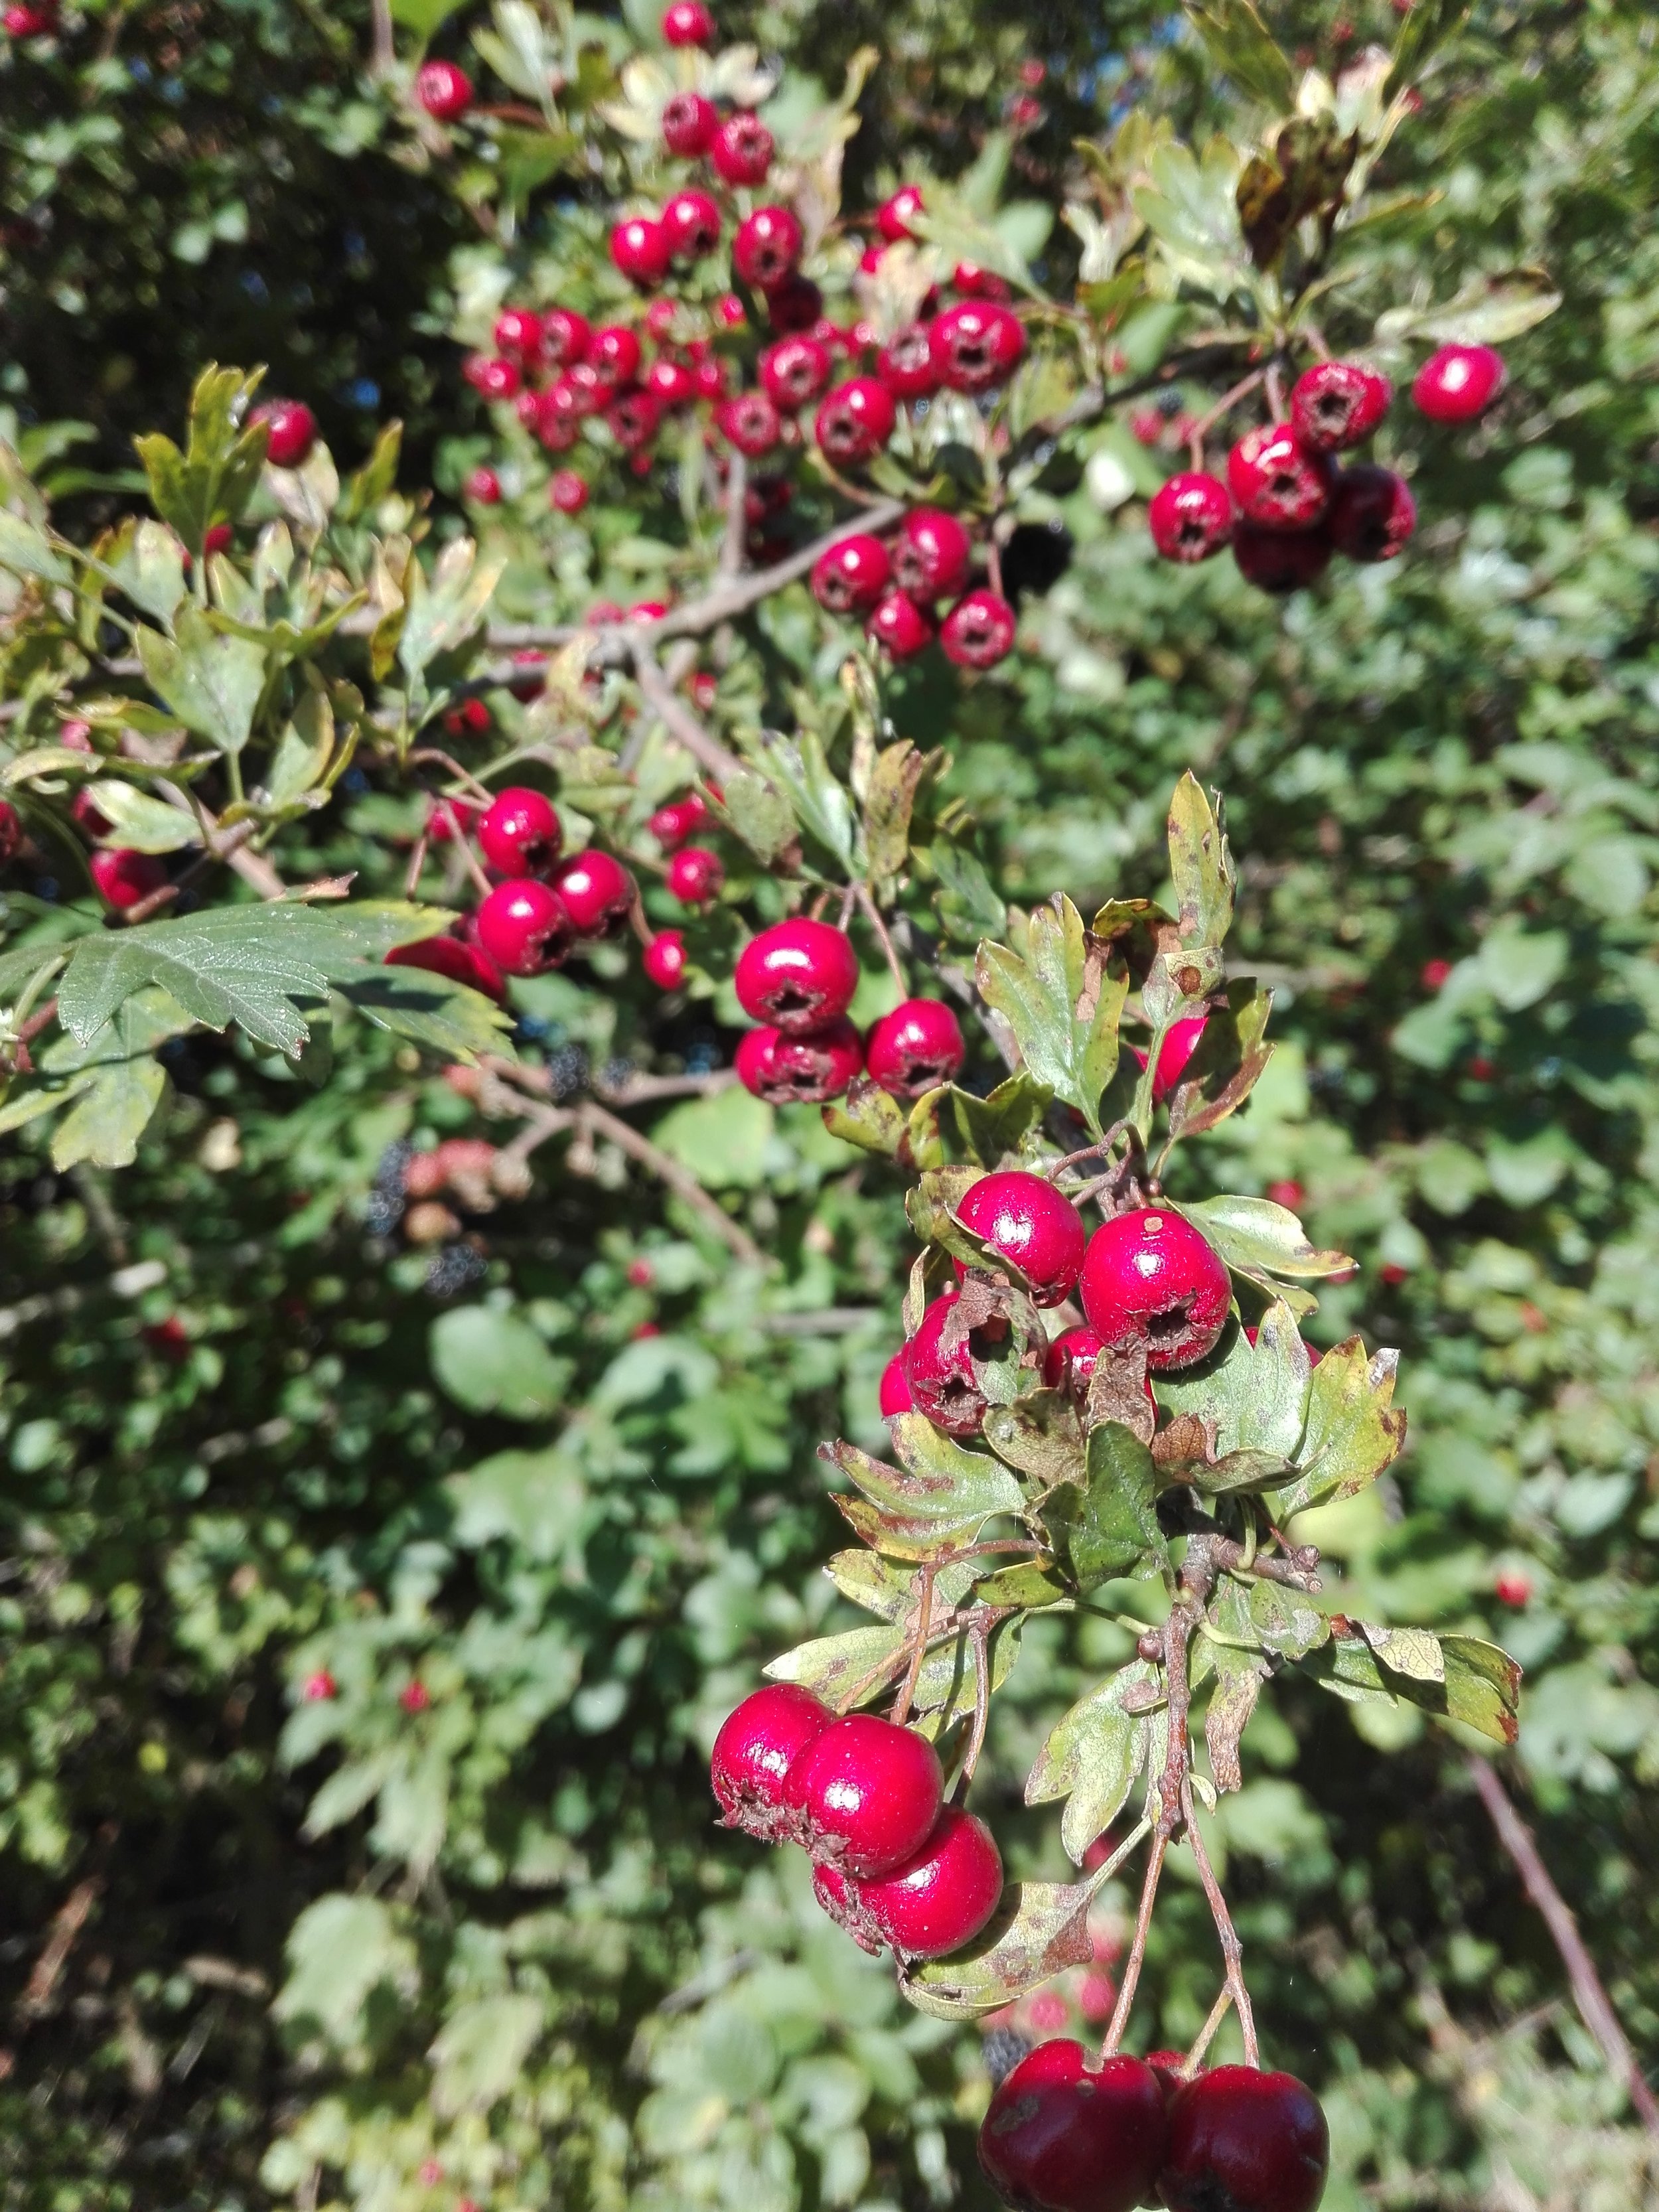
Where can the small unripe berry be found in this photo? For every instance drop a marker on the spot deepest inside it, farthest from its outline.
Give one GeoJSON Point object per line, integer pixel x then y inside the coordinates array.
{"type": "Point", "coordinates": [124, 877]}
{"type": "Point", "coordinates": [894, 1395]}
{"type": "Point", "coordinates": [856, 421]}
{"type": "Point", "coordinates": [979, 630]}
{"type": "Point", "coordinates": [692, 222]}
{"type": "Point", "coordinates": [1069, 1362]}
{"type": "Point", "coordinates": [916, 1047]}
{"type": "Point", "coordinates": [1372, 513]}
{"type": "Point", "coordinates": [1337, 404]}
{"type": "Point", "coordinates": [664, 959]}
{"type": "Point", "coordinates": [1278, 483]}
{"type": "Point", "coordinates": [1279, 560]}
{"type": "Point", "coordinates": [444, 90]}
{"type": "Point", "coordinates": [793, 372]}
{"type": "Point", "coordinates": [1512, 1588]}
{"type": "Point", "coordinates": [641, 248]}
{"type": "Point", "coordinates": [1250, 2141]}
{"type": "Point", "coordinates": [687, 23]}
{"type": "Point", "coordinates": [290, 431]}
{"type": "Point", "coordinates": [1062, 2136]}
{"type": "Point", "coordinates": [900, 624]}
{"type": "Point", "coordinates": [457, 957]}
{"type": "Point", "coordinates": [800, 1070]}
{"type": "Point", "coordinates": [694, 875]}
{"type": "Point", "coordinates": [519, 832]}
{"type": "Point", "coordinates": [867, 1795]}
{"type": "Point", "coordinates": [797, 975]}
{"type": "Point", "coordinates": [976, 345]}
{"type": "Point", "coordinates": [906, 363]}
{"type": "Point", "coordinates": [750, 422]}
{"type": "Point", "coordinates": [756, 1748]}
{"type": "Point", "coordinates": [484, 488]}
{"type": "Point", "coordinates": [1149, 1276]}
{"type": "Point", "coordinates": [894, 217]}
{"type": "Point", "coordinates": [1458, 383]}
{"type": "Point", "coordinates": [689, 123]}
{"type": "Point", "coordinates": [767, 247]}
{"type": "Point", "coordinates": [742, 150]}
{"type": "Point", "coordinates": [942, 1382]}
{"type": "Point", "coordinates": [940, 1899]}
{"type": "Point", "coordinates": [851, 576]}
{"type": "Point", "coordinates": [930, 555]}
{"type": "Point", "coordinates": [566, 336]}
{"type": "Point", "coordinates": [1024, 1219]}
{"type": "Point", "coordinates": [522, 928]}
{"type": "Point", "coordinates": [596, 891]}
{"type": "Point", "coordinates": [1191, 516]}
{"type": "Point", "coordinates": [567, 491]}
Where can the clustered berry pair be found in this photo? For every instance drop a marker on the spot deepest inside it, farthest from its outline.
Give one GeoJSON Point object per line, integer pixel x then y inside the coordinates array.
{"type": "Point", "coordinates": [797, 980]}
{"type": "Point", "coordinates": [891, 1862]}
{"type": "Point", "coordinates": [900, 588]}
{"type": "Point", "coordinates": [1287, 507]}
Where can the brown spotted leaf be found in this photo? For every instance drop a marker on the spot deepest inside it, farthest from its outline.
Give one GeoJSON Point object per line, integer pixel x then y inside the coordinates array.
{"type": "Point", "coordinates": [1040, 1928]}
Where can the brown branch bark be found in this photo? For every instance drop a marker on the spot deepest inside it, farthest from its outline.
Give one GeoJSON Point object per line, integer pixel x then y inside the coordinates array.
{"type": "Point", "coordinates": [677, 717]}
{"type": "Point", "coordinates": [679, 1180]}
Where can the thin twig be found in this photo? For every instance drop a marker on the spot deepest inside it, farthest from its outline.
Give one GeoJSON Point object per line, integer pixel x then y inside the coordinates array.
{"type": "Point", "coordinates": [872, 916]}
{"type": "Point", "coordinates": [67, 1922]}
{"type": "Point", "coordinates": [678, 1179]}
{"type": "Point", "coordinates": [924, 1623]}
{"type": "Point", "coordinates": [1206, 422]}
{"type": "Point", "coordinates": [1195, 2057]}
{"type": "Point", "coordinates": [382, 57]}
{"type": "Point", "coordinates": [677, 717]}
{"type": "Point", "coordinates": [463, 846]}
{"type": "Point", "coordinates": [736, 516]}
{"type": "Point", "coordinates": [1232, 1950]}
{"type": "Point", "coordinates": [979, 1642]}
{"type": "Point", "coordinates": [1137, 1958]}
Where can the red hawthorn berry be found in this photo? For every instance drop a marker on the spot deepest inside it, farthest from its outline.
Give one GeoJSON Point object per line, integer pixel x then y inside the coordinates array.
{"type": "Point", "coordinates": [664, 959]}
{"type": "Point", "coordinates": [942, 1382]}
{"type": "Point", "coordinates": [671, 825]}
{"type": "Point", "coordinates": [940, 1899]}
{"type": "Point", "coordinates": [979, 630]}
{"type": "Point", "coordinates": [750, 422]}
{"type": "Point", "coordinates": [1063, 2137]}
{"type": "Point", "coordinates": [1096, 1993]}
{"type": "Point", "coordinates": [522, 928]}
{"type": "Point", "coordinates": [566, 336]}
{"type": "Point", "coordinates": [731, 311]}
{"type": "Point", "coordinates": [705, 691]}
{"type": "Point", "coordinates": [1148, 1275]}
{"type": "Point", "coordinates": [793, 372]}
{"type": "Point", "coordinates": [1191, 516]}
{"type": "Point", "coordinates": [1023, 111]}
{"type": "Point", "coordinates": [555, 415]}
{"type": "Point", "coordinates": [742, 150]}
{"type": "Point", "coordinates": [838, 1896]}
{"type": "Point", "coordinates": [900, 624]}
{"type": "Point", "coordinates": [319, 1687]}
{"type": "Point", "coordinates": [976, 283]}
{"type": "Point", "coordinates": [893, 1396]}
{"type": "Point", "coordinates": [1480, 1069]}
{"type": "Point", "coordinates": [692, 223]}
{"type": "Point", "coordinates": [414, 1696]}
{"type": "Point", "coordinates": [694, 875]}
{"type": "Point", "coordinates": [640, 1274]}
{"type": "Point", "coordinates": [757, 1747]}
{"type": "Point", "coordinates": [447, 819]}
{"type": "Point", "coordinates": [1458, 383]}
{"type": "Point", "coordinates": [596, 891]}
{"type": "Point", "coordinates": [1287, 1193]}
{"type": "Point", "coordinates": [634, 418]}
{"type": "Point", "coordinates": [123, 877]}
{"type": "Point", "coordinates": [77, 736]}
{"type": "Point", "coordinates": [1276, 481]}
{"type": "Point", "coordinates": [977, 345]}
{"type": "Point", "coordinates": [85, 809]}
{"type": "Point", "coordinates": [906, 365]}
{"type": "Point", "coordinates": [800, 1070]}
{"type": "Point", "coordinates": [520, 833]}
{"type": "Point", "coordinates": [1170, 2068]}
{"type": "Point", "coordinates": [518, 334]}
{"type": "Point", "coordinates": [613, 356]}
{"type": "Point", "coordinates": [894, 217]}
{"type": "Point", "coordinates": [454, 956]}
{"type": "Point", "coordinates": [1250, 2141]}
{"type": "Point", "coordinates": [930, 555]}
{"type": "Point", "coordinates": [290, 431]}
{"type": "Point", "coordinates": [566, 491]}
{"type": "Point", "coordinates": [689, 123]}
{"type": "Point", "coordinates": [1512, 1588]}
{"type": "Point", "coordinates": [603, 612]}
{"type": "Point", "coordinates": [1024, 1219]}
{"type": "Point", "coordinates": [1392, 1274]}
{"type": "Point", "coordinates": [1179, 1044]}
{"type": "Point", "coordinates": [797, 975]}
{"type": "Point", "coordinates": [444, 90]}
{"type": "Point", "coordinates": [217, 539]}
{"type": "Point", "coordinates": [856, 421]}
{"type": "Point", "coordinates": [1032, 73]}
{"type": "Point", "coordinates": [1372, 513]}
{"type": "Point", "coordinates": [647, 610]}
{"type": "Point", "coordinates": [1069, 1362]}
{"type": "Point", "coordinates": [484, 488]}
{"type": "Point", "coordinates": [469, 719]}
{"type": "Point", "coordinates": [11, 831]}
{"type": "Point", "coordinates": [866, 1794]}
{"type": "Point", "coordinates": [491, 376]}
{"type": "Point", "coordinates": [1281, 560]}
{"type": "Point", "coordinates": [29, 21]}
{"type": "Point", "coordinates": [531, 681]}
{"type": "Point", "coordinates": [641, 248]}
{"type": "Point", "coordinates": [709, 378]}
{"type": "Point", "coordinates": [1436, 975]}
{"type": "Point", "coordinates": [687, 23]}
{"type": "Point", "coordinates": [1336, 404]}
{"type": "Point", "coordinates": [915, 1048]}
{"type": "Point", "coordinates": [767, 247]}
{"type": "Point", "coordinates": [870, 259]}
{"type": "Point", "coordinates": [671, 384]}
{"type": "Point", "coordinates": [795, 303]}
{"type": "Point", "coordinates": [851, 575]}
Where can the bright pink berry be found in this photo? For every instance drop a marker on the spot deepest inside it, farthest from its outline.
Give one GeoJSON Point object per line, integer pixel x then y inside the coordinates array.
{"type": "Point", "coordinates": [319, 1687]}
{"type": "Point", "coordinates": [689, 123]}
{"type": "Point", "coordinates": [519, 832]}
{"type": "Point", "coordinates": [692, 222]}
{"type": "Point", "coordinates": [457, 957]}
{"type": "Point", "coordinates": [567, 491]}
{"type": "Point", "coordinates": [490, 375]}
{"type": "Point", "coordinates": [800, 1070]}
{"type": "Point", "coordinates": [1458, 383]}
{"type": "Point", "coordinates": [1069, 1362]}
{"type": "Point", "coordinates": [942, 1381]}
{"type": "Point", "coordinates": [522, 928]}
{"type": "Point", "coordinates": [856, 421]}
{"type": "Point", "coordinates": [1191, 516]}
{"type": "Point", "coordinates": [742, 150]}
{"type": "Point", "coordinates": [444, 90]}
{"type": "Point", "coordinates": [1250, 2141]}
{"type": "Point", "coordinates": [756, 1748]}
{"type": "Point", "coordinates": [484, 488]}
{"type": "Point", "coordinates": [687, 23]}
{"type": "Point", "coordinates": [218, 538]}
{"type": "Point", "coordinates": [930, 555]}
{"type": "Point", "coordinates": [1436, 975]}
{"type": "Point", "coordinates": [709, 376]}
{"type": "Point", "coordinates": [1281, 560]}
{"type": "Point", "coordinates": [596, 891]}
{"type": "Point", "coordinates": [852, 575]}
{"type": "Point", "coordinates": [866, 1793]}
{"type": "Point", "coordinates": [893, 1396]}
{"type": "Point", "coordinates": [519, 333]}
{"type": "Point", "coordinates": [767, 247]}
{"type": "Point", "coordinates": [979, 630]}
{"type": "Point", "coordinates": [1026, 1221]}
{"type": "Point", "coordinates": [797, 975]}
{"type": "Point", "coordinates": [1149, 1276]}
{"type": "Point", "coordinates": [750, 422]}
{"type": "Point", "coordinates": [915, 1048]}
{"type": "Point", "coordinates": [731, 310]}
{"type": "Point", "coordinates": [1513, 1589]}
{"type": "Point", "coordinates": [894, 217]}
{"type": "Point", "coordinates": [664, 959]}
{"type": "Point", "coordinates": [671, 825]}
{"type": "Point", "coordinates": [907, 364]}
{"type": "Point", "coordinates": [670, 383]}
{"type": "Point", "coordinates": [566, 336]}
{"type": "Point", "coordinates": [1179, 1044]}
{"type": "Point", "coordinates": [1336, 404]}
{"type": "Point", "coordinates": [977, 345]}
{"type": "Point", "coordinates": [1278, 483]}
{"type": "Point", "coordinates": [1372, 513]}
{"type": "Point", "coordinates": [414, 1697]}
{"type": "Point", "coordinates": [290, 431]}
{"type": "Point", "coordinates": [900, 624]}
{"type": "Point", "coordinates": [641, 248]}
{"type": "Point", "coordinates": [124, 877]}
{"type": "Point", "coordinates": [694, 875]}
{"type": "Point", "coordinates": [940, 1899]}
{"type": "Point", "coordinates": [1063, 2137]}
{"type": "Point", "coordinates": [793, 372]}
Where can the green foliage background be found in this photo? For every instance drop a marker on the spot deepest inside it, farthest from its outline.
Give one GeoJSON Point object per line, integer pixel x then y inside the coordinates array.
{"type": "Point", "coordinates": [338, 1953]}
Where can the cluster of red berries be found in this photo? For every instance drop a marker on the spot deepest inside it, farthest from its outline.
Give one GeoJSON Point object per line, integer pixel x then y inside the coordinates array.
{"type": "Point", "coordinates": [1061, 2136]}
{"type": "Point", "coordinates": [891, 1862]}
{"type": "Point", "coordinates": [797, 980]}
{"type": "Point", "coordinates": [1287, 507]}
{"type": "Point", "coordinates": [899, 588]}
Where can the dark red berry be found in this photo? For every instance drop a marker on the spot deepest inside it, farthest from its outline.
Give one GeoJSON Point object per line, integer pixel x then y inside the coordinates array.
{"type": "Point", "coordinates": [566, 336]}
{"type": "Point", "coordinates": [694, 875]}
{"type": "Point", "coordinates": [754, 1752]}
{"type": "Point", "coordinates": [767, 247]}
{"type": "Point", "coordinates": [641, 248]}
{"type": "Point", "coordinates": [930, 555]}
{"type": "Point", "coordinates": [522, 928]}
{"type": "Point", "coordinates": [1372, 513]}
{"type": "Point", "coordinates": [530, 681]}
{"type": "Point", "coordinates": [596, 891]}
{"type": "Point", "coordinates": [795, 303]}
{"type": "Point", "coordinates": [976, 283]}
{"type": "Point", "coordinates": [742, 150]}
{"type": "Point", "coordinates": [1149, 1276]}
{"type": "Point", "coordinates": [290, 431]}
{"type": "Point", "coordinates": [800, 1070]}
{"type": "Point", "coordinates": [893, 1396]}
{"type": "Point", "coordinates": [634, 418]}
{"type": "Point", "coordinates": [1458, 383]}
{"type": "Point", "coordinates": [687, 23]}
{"type": "Point", "coordinates": [940, 1899]}
{"type": "Point", "coordinates": [664, 959]}
{"type": "Point", "coordinates": [867, 1795]}
{"type": "Point", "coordinates": [691, 224]}
{"type": "Point", "coordinates": [11, 831]}
{"type": "Point", "coordinates": [689, 123]}
{"type": "Point", "coordinates": [856, 421]}
{"type": "Point", "coordinates": [217, 539]}
{"type": "Point", "coordinates": [852, 575]}
{"type": "Point", "coordinates": [1337, 404]}
{"type": "Point", "coordinates": [35, 20]}
{"type": "Point", "coordinates": [750, 422]}
{"type": "Point", "coordinates": [1244, 2141]}
{"type": "Point", "coordinates": [1024, 1219]}
{"type": "Point", "coordinates": [976, 345]}
{"type": "Point", "coordinates": [444, 90]}
{"type": "Point", "coordinates": [1069, 1362]}
{"type": "Point", "coordinates": [900, 624]}
{"type": "Point", "coordinates": [124, 877]}
{"type": "Point", "coordinates": [519, 832]}
{"type": "Point", "coordinates": [894, 217]}
{"type": "Point", "coordinates": [1062, 2136]}
{"type": "Point", "coordinates": [1279, 560]}
{"type": "Point", "coordinates": [906, 363]}
{"type": "Point", "coordinates": [916, 1047]}
{"type": "Point", "coordinates": [942, 1381]}
{"type": "Point", "coordinates": [979, 630]}
{"type": "Point", "coordinates": [492, 376]}
{"type": "Point", "coordinates": [454, 956]}
{"type": "Point", "coordinates": [1277, 481]}
{"type": "Point", "coordinates": [793, 372]}
{"type": "Point", "coordinates": [797, 975]}
{"type": "Point", "coordinates": [613, 356]}
{"type": "Point", "coordinates": [1191, 517]}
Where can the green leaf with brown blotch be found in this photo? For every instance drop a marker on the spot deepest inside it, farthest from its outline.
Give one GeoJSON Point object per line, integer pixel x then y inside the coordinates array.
{"type": "Point", "coordinates": [844, 1670]}
{"type": "Point", "coordinates": [1354, 1430]}
{"type": "Point", "coordinates": [869, 1117]}
{"type": "Point", "coordinates": [888, 807]}
{"type": "Point", "coordinates": [1062, 1001]}
{"type": "Point", "coordinates": [930, 1206]}
{"type": "Point", "coordinates": [1228, 1063]}
{"type": "Point", "coordinates": [946, 1688]}
{"type": "Point", "coordinates": [760, 814]}
{"type": "Point", "coordinates": [1108, 1526]}
{"type": "Point", "coordinates": [1459, 1678]}
{"type": "Point", "coordinates": [1255, 1234]}
{"type": "Point", "coordinates": [1201, 865]}
{"type": "Point", "coordinates": [1288, 1622]}
{"type": "Point", "coordinates": [1032, 1584]}
{"type": "Point", "coordinates": [1039, 1930]}
{"type": "Point", "coordinates": [1305, 172]}
{"type": "Point", "coordinates": [1095, 1753]}
{"type": "Point", "coordinates": [1041, 1435]}
{"type": "Point", "coordinates": [942, 1499]}
{"type": "Point", "coordinates": [1254, 1395]}
{"type": "Point", "coordinates": [892, 1591]}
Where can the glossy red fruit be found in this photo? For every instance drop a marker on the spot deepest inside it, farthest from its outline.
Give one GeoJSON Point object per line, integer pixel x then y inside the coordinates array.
{"type": "Point", "coordinates": [613, 356]}
{"type": "Point", "coordinates": [124, 877]}
{"type": "Point", "coordinates": [1337, 404]}
{"type": "Point", "coordinates": [942, 1381]}
{"type": "Point", "coordinates": [900, 624]}
{"type": "Point", "coordinates": [687, 23]}
{"type": "Point", "coordinates": [1373, 514]}
{"type": "Point", "coordinates": [670, 383]}
{"type": "Point", "coordinates": [664, 959]}
{"type": "Point", "coordinates": [566, 336]}
{"type": "Point", "coordinates": [596, 891]}
{"type": "Point", "coordinates": [691, 223]}
{"type": "Point", "coordinates": [916, 1047]}
{"type": "Point", "coordinates": [1281, 560]}
{"type": "Point", "coordinates": [689, 123]}
{"type": "Point", "coordinates": [1277, 481]}
{"type": "Point", "coordinates": [1179, 1044]}
{"type": "Point", "coordinates": [1026, 1221]}
{"type": "Point", "coordinates": [710, 378]}
{"type": "Point", "coordinates": [1513, 1589]}
{"type": "Point", "coordinates": [797, 975]}
{"type": "Point", "coordinates": [907, 364]}
{"type": "Point", "coordinates": [490, 375]}
{"type": "Point", "coordinates": [1436, 975]}
{"type": "Point", "coordinates": [793, 372]}
{"type": "Point", "coordinates": [767, 247]}
{"type": "Point", "coordinates": [1069, 1362]}
{"type": "Point", "coordinates": [894, 217]}
{"type": "Point", "coordinates": [1169, 2066]}
{"type": "Point", "coordinates": [290, 431]}
{"type": "Point", "coordinates": [519, 832]}
{"type": "Point", "coordinates": [976, 283]}
{"type": "Point", "coordinates": [800, 1070]}
{"type": "Point", "coordinates": [750, 422]}
{"type": "Point", "coordinates": [484, 488]}
{"type": "Point", "coordinates": [753, 1753]}
{"type": "Point", "coordinates": [856, 421]}
{"type": "Point", "coordinates": [567, 491]}
{"type": "Point", "coordinates": [977, 344]}
{"type": "Point", "coordinates": [444, 90]}
{"type": "Point", "coordinates": [672, 824]}
{"type": "Point", "coordinates": [1458, 383]}
{"type": "Point", "coordinates": [742, 150]}
{"type": "Point", "coordinates": [454, 956]}
{"type": "Point", "coordinates": [852, 575]}
{"type": "Point", "coordinates": [531, 681]}
{"type": "Point", "coordinates": [1244, 2141]}
{"type": "Point", "coordinates": [1191, 516]}
{"type": "Point", "coordinates": [940, 1899]}
{"type": "Point", "coordinates": [867, 1795]}
{"type": "Point", "coordinates": [641, 248]}
{"type": "Point", "coordinates": [1062, 2136]}
{"type": "Point", "coordinates": [694, 875]}
{"type": "Point", "coordinates": [979, 630]}
{"type": "Point", "coordinates": [1149, 1275]}
{"type": "Point", "coordinates": [930, 555]}
{"type": "Point", "coordinates": [634, 419]}
{"type": "Point", "coordinates": [522, 928]}
{"type": "Point", "coordinates": [517, 333]}
{"type": "Point", "coordinates": [893, 1396]}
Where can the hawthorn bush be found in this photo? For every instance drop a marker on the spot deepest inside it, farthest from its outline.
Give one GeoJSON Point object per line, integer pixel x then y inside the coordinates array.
{"type": "Point", "coordinates": [415, 1368]}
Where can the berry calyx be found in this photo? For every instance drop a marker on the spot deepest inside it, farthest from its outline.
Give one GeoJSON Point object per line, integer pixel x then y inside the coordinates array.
{"type": "Point", "coordinates": [1279, 482]}
{"type": "Point", "coordinates": [1246, 2141]}
{"type": "Point", "coordinates": [596, 891]}
{"type": "Point", "coordinates": [692, 222]}
{"type": "Point", "coordinates": [906, 363]}
{"type": "Point", "coordinates": [754, 1752]}
{"type": "Point", "coordinates": [894, 1395]}
{"type": "Point", "coordinates": [566, 491]}
{"type": "Point", "coordinates": [694, 875]}
{"type": "Point", "coordinates": [1069, 1362]}
{"type": "Point", "coordinates": [767, 247]}
{"type": "Point", "coordinates": [1337, 404]}
{"type": "Point", "coordinates": [977, 344]}
{"type": "Point", "coordinates": [1149, 1276]}
{"type": "Point", "coordinates": [566, 336]}
{"type": "Point", "coordinates": [664, 959]}
{"type": "Point", "coordinates": [520, 833]}
{"type": "Point", "coordinates": [1063, 2137]}
{"type": "Point", "coordinates": [979, 630]}
{"type": "Point", "coordinates": [793, 372]}
{"type": "Point", "coordinates": [899, 624]}
{"type": "Point", "coordinates": [687, 23]}
{"type": "Point", "coordinates": [788, 1071]}
{"type": "Point", "coordinates": [1458, 383]}
{"type": "Point", "coordinates": [689, 123]}
{"type": "Point", "coordinates": [942, 1380]}
{"type": "Point", "coordinates": [1191, 516]}
{"type": "Point", "coordinates": [290, 431]}
{"type": "Point", "coordinates": [444, 90]}
{"type": "Point", "coordinates": [1372, 513]}
{"type": "Point", "coordinates": [930, 555]}
{"type": "Point", "coordinates": [641, 248]}
{"type": "Point", "coordinates": [124, 877]}
{"type": "Point", "coordinates": [852, 575]}
{"type": "Point", "coordinates": [915, 1048]}
{"type": "Point", "coordinates": [1279, 560]}
{"type": "Point", "coordinates": [866, 1794]}
{"type": "Point", "coordinates": [522, 926]}
{"type": "Point", "coordinates": [940, 1899]}
{"type": "Point", "coordinates": [750, 422]}
{"type": "Point", "coordinates": [742, 150]}
{"type": "Point", "coordinates": [894, 217]}
{"type": "Point", "coordinates": [797, 975]}
{"type": "Point", "coordinates": [856, 421]}
{"type": "Point", "coordinates": [457, 957]}
{"type": "Point", "coordinates": [1024, 1220]}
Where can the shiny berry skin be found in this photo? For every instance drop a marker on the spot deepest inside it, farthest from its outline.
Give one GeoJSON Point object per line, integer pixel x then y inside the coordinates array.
{"type": "Point", "coordinates": [1436, 975]}
{"type": "Point", "coordinates": [491, 376]}
{"type": "Point", "coordinates": [742, 150]}
{"type": "Point", "coordinates": [484, 488]}
{"type": "Point", "coordinates": [1191, 516]}
{"type": "Point", "coordinates": [689, 123]}
{"type": "Point", "coordinates": [671, 384]}
{"type": "Point", "coordinates": [664, 959]}
{"type": "Point", "coordinates": [852, 575]}
{"type": "Point", "coordinates": [444, 90]}
{"type": "Point", "coordinates": [1069, 1362]}
{"type": "Point", "coordinates": [750, 422]}
{"type": "Point", "coordinates": [567, 491]}
{"type": "Point", "coordinates": [900, 624]}
{"type": "Point", "coordinates": [893, 1396]}
{"type": "Point", "coordinates": [531, 682]}
{"type": "Point", "coordinates": [976, 283]}
{"type": "Point", "coordinates": [596, 891]}
{"type": "Point", "coordinates": [753, 1753]}
{"type": "Point", "coordinates": [290, 431]}
{"type": "Point", "coordinates": [566, 336]}
{"type": "Point", "coordinates": [691, 223]}
{"type": "Point", "coordinates": [800, 1070]}
{"type": "Point", "coordinates": [977, 345]}
{"type": "Point", "coordinates": [457, 957]}
{"type": "Point", "coordinates": [1281, 560]}
{"type": "Point", "coordinates": [940, 1899]}
{"type": "Point", "coordinates": [687, 23]}
{"type": "Point", "coordinates": [979, 630]}
{"type": "Point", "coordinates": [942, 1382]}
{"type": "Point", "coordinates": [767, 247]}
{"type": "Point", "coordinates": [1458, 383]}
{"type": "Point", "coordinates": [1026, 1221]}
{"type": "Point", "coordinates": [1149, 1276]}
{"type": "Point", "coordinates": [519, 832]}
{"type": "Point", "coordinates": [709, 377]}
{"type": "Point", "coordinates": [1179, 1044]}
{"type": "Point", "coordinates": [793, 372]}
{"type": "Point", "coordinates": [894, 217]}
{"type": "Point", "coordinates": [867, 1793]}
{"type": "Point", "coordinates": [1062, 2136]}
{"type": "Point", "coordinates": [930, 555]}
{"type": "Point", "coordinates": [634, 418]}
{"type": "Point", "coordinates": [613, 354]}
{"type": "Point", "coordinates": [1246, 2141]}
{"type": "Point", "coordinates": [1336, 404]}
{"type": "Point", "coordinates": [1372, 513]}
{"type": "Point", "coordinates": [522, 928]}
{"type": "Point", "coordinates": [797, 975]}
{"type": "Point", "coordinates": [694, 875]}
{"type": "Point", "coordinates": [319, 1687]}
{"type": "Point", "coordinates": [671, 825]}
{"type": "Point", "coordinates": [124, 877]}
{"type": "Point", "coordinates": [518, 332]}
{"type": "Point", "coordinates": [907, 364]}
{"type": "Point", "coordinates": [641, 248]}
{"type": "Point", "coordinates": [916, 1047]}
{"type": "Point", "coordinates": [856, 421]}
{"type": "Point", "coordinates": [470, 720]}
{"type": "Point", "coordinates": [1277, 482]}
